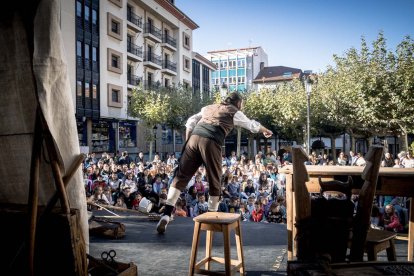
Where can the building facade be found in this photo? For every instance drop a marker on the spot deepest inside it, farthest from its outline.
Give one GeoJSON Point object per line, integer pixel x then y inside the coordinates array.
{"type": "Point", "coordinates": [202, 72]}
{"type": "Point", "coordinates": [114, 46]}
{"type": "Point", "coordinates": [237, 68]}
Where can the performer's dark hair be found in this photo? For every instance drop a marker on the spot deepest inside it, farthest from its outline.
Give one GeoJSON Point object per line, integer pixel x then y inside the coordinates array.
{"type": "Point", "coordinates": [233, 98]}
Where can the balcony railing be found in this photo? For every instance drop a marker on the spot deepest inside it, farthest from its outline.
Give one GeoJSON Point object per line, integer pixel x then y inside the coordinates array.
{"type": "Point", "coordinates": [134, 19]}
{"type": "Point", "coordinates": [169, 40]}
{"type": "Point", "coordinates": [134, 49]}
{"type": "Point", "coordinates": [134, 80]}
{"type": "Point", "coordinates": [166, 64]}
{"type": "Point", "coordinates": [151, 29]}
{"type": "Point", "coordinates": [151, 85]}
{"type": "Point", "coordinates": [152, 58]}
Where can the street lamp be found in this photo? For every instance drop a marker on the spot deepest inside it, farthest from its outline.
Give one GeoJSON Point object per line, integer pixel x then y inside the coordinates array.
{"type": "Point", "coordinates": [308, 89]}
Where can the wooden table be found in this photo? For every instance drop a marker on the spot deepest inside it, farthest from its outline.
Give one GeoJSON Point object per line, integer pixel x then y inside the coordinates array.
{"type": "Point", "coordinates": [391, 181]}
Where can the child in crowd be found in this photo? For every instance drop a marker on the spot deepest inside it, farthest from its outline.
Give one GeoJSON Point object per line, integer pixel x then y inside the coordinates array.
{"type": "Point", "coordinates": [391, 219]}
{"type": "Point", "coordinates": [179, 211]}
{"type": "Point", "coordinates": [244, 212]}
{"type": "Point", "coordinates": [108, 195]}
{"type": "Point", "coordinates": [234, 205]}
{"type": "Point", "coordinates": [201, 206]}
{"type": "Point", "coordinates": [120, 202]}
{"type": "Point", "coordinates": [275, 215]}
{"type": "Point", "coordinates": [257, 214]}
{"type": "Point", "coordinates": [377, 221]}
{"type": "Point", "coordinates": [136, 201]}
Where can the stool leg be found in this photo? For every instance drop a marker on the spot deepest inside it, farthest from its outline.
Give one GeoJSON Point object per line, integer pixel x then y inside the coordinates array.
{"type": "Point", "coordinates": [194, 247]}
{"type": "Point", "coordinates": [227, 256]}
{"type": "Point", "coordinates": [239, 245]}
{"type": "Point", "coordinates": [392, 256]}
{"type": "Point", "coordinates": [209, 243]}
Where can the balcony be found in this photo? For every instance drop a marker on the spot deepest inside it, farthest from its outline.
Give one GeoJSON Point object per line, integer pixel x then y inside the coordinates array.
{"type": "Point", "coordinates": [134, 52]}
{"type": "Point", "coordinates": [153, 33]}
{"type": "Point", "coordinates": [152, 60]}
{"type": "Point", "coordinates": [134, 80]}
{"type": "Point", "coordinates": [169, 67]}
{"type": "Point", "coordinates": [169, 42]}
{"type": "Point", "coordinates": [134, 22]}
{"type": "Point", "coordinates": [151, 85]}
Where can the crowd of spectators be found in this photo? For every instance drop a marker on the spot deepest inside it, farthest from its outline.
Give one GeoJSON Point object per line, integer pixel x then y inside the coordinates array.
{"type": "Point", "coordinates": [252, 187]}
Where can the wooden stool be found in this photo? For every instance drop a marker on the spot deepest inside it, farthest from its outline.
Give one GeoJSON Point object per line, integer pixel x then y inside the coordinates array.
{"type": "Point", "coordinates": [217, 222]}
{"type": "Point", "coordinates": [378, 240]}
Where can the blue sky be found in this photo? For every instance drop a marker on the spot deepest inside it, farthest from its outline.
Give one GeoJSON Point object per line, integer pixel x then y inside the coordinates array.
{"type": "Point", "coordinates": [301, 34]}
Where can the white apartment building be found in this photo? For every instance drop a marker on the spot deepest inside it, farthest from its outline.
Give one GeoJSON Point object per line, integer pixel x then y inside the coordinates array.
{"type": "Point", "coordinates": [113, 46]}
{"type": "Point", "coordinates": [237, 68]}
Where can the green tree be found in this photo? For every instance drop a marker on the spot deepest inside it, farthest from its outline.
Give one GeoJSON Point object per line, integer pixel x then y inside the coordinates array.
{"type": "Point", "coordinates": [152, 108]}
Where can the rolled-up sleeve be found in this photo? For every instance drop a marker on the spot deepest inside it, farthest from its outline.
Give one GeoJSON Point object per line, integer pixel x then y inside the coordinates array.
{"type": "Point", "coordinates": [241, 120]}
{"type": "Point", "coordinates": [193, 120]}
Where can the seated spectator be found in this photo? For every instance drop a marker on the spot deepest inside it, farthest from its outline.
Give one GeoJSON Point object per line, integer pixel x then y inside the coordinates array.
{"type": "Point", "coordinates": [114, 182]}
{"type": "Point", "coordinates": [120, 202]}
{"type": "Point", "coordinates": [377, 220]}
{"type": "Point", "coordinates": [244, 212]}
{"type": "Point", "coordinates": [257, 214]}
{"type": "Point", "coordinates": [233, 187]}
{"type": "Point", "coordinates": [98, 196]}
{"type": "Point", "coordinates": [234, 205]}
{"type": "Point", "coordinates": [275, 215]}
{"type": "Point", "coordinates": [130, 182]}
{"type": "Point", "coordinates": [136, 201]}
{"type": "Point", "coordinates": [201, 206]}
{"type": "Point", "coordinates": [178, 210]}
{"type": "Point", "coordinates": [198, 184]}
{"type": "Point", "coordinates": [248, 190]}
{"type": "Point", "coordinates": [108, 194]}
{"type": "Point", "coordinates": [391, 219]}
{"type": "Point", "coordinates": [361, 160]}
{"type": "Point", "coordinates": [158, 185]}
{"type": "Point", "coordinates": [99, 182]}
{"type": "Point", "coordinates": [266, 207]}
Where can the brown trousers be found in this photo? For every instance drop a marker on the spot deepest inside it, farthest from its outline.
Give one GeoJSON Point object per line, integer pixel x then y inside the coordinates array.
{"type": "Point", "coordinates": [197, 151]}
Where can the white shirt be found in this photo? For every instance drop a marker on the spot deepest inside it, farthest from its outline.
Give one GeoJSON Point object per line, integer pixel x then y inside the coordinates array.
{"type": "Point", "coordinates": [239, 119]}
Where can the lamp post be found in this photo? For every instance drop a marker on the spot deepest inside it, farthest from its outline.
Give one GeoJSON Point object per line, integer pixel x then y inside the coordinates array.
{"type": "Point", "coordinates": [223, 93]}
{"type": "Point", "coordinates": [308, 88]}
{"type": "Point", "coordinates": [155, 129]}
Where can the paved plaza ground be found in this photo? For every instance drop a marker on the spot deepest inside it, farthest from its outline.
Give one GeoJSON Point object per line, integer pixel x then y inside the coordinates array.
{"type": "Point", "coordinates": [265, 247]}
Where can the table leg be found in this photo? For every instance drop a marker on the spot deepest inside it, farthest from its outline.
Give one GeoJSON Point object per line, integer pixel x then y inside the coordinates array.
{"type": "Point", "coordinates": [411, 232]}
{"type": "Point", "coordinates": [290, 215]}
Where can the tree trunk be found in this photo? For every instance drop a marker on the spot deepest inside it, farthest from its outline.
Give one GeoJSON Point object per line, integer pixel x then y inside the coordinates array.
{"type": "Point", "coordinates": [173, 134]}
{"type": "Point", "coordinates": [150, 150]}
{"type": "Point", "coordinates": [257, 145]}
{"type": "Point", "coordinates": [403, 140]}
{"type": "Point", "coordinates": [250, 145]}
{"type": "Point", "coordinates": [333, 147]}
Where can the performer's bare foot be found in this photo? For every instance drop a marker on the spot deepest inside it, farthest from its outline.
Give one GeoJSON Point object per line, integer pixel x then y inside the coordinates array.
{"type": "Point", "coordinates": [162, 224]}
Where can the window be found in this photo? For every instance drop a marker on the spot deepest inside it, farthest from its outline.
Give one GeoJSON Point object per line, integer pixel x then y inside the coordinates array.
{"type": "Point", "coordinates": [87, 91]}
{"type": "Point", "coordinates": [94, 91]}
{"type": "Point", "coordinates": [86, 13]}
{"type": "Point", "coordinates": [186, 41]}
{"type": "Point", "coordinates": [241, 63]}
{"type": "Point", "coordinates": [114, 95]}
{"type": "Point", "coordinates": [78, 48]}
{"type": "Point", "coordinates": [232, 63]}
{"type": "Point", "coordinates": [187, 64]}
{"type": "Point", "coordinates": [86, 51]}
{"type": "Point", "coordinates": [186, 84]}
{"type": "Point", "coordinates": [114, 26]}
{"type": "Point", "coordinates": [116, 3]}
{"type": "Point", "coordinates": [79, 88]}
{"type": "Point", "coordinates": [78, 9]}
{"type": "Point", "coordinates": [94, 17]}
{"type": "Point", "coordinates": [94, 54]}
{"type": "Point", "coordinates": [241, 80]}
{"type": "Point", "coordinates": [114, 61]}
{"type": "Point", "coordinates": [166, 83]}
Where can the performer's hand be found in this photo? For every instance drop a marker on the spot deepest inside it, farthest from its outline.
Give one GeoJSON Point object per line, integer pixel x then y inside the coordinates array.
{"type": "Point", "coordinates": [267, 133]}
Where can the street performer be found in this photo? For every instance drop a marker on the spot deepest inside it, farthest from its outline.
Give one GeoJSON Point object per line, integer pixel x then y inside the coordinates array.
{"type": "Point", "coordinates": [205, 136]}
